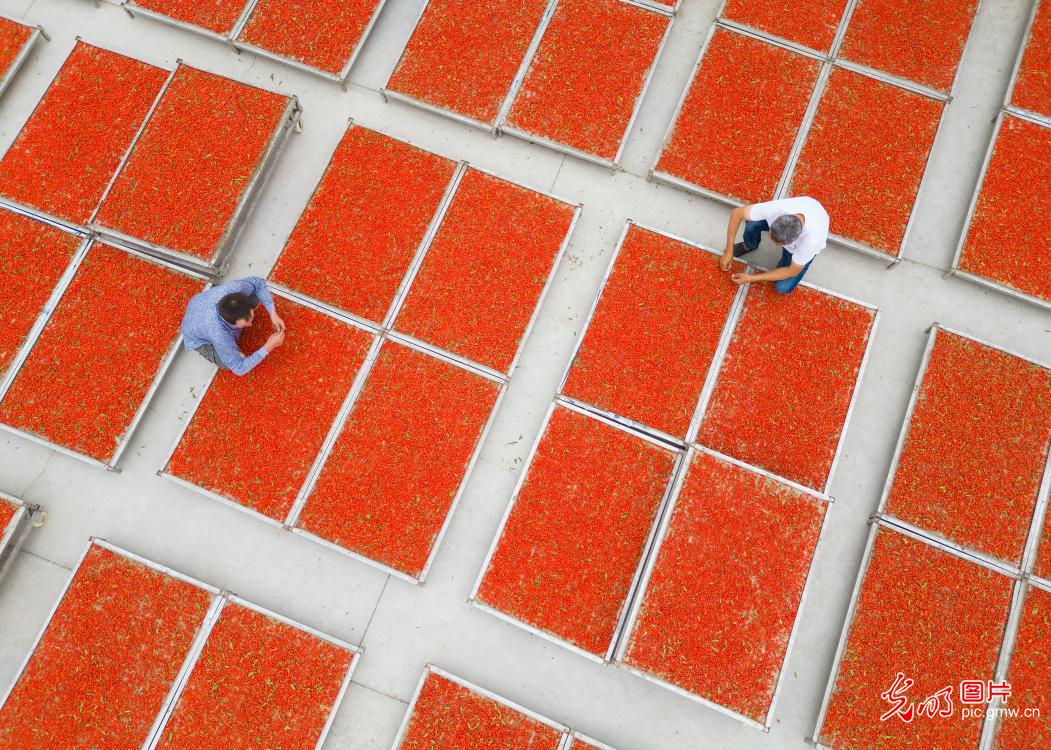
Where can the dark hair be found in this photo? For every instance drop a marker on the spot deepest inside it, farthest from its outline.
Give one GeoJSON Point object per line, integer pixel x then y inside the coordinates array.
{"type": "Point", "coordinates": [236, 306]}
{"type": "Point", "coordinates": [786, 229]}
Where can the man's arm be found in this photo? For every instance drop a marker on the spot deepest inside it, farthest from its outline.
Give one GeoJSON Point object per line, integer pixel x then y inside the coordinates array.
{"type": "Point", "coordinates": [739, 214]}
{"type": "Point", "coordinates": [776, 275]}
{"type": "Point", "coordinates": [237, 362]}
{"type": "Point", "coordinates": [258, 288]}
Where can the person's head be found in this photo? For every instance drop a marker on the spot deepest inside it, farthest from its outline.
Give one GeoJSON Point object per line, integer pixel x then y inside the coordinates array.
{"type": "Point", "coordinates": [237, 309]}
{"type": "Point", "coordinates": [786, 229]}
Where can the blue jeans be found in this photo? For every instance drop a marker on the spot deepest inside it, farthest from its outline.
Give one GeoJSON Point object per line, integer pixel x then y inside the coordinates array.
{"type": "Point", "coordinates": [753, 232]}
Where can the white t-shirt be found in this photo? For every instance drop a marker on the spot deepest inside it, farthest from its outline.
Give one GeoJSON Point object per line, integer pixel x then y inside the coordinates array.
{"type": "Point", "coordinates": [815, 227]}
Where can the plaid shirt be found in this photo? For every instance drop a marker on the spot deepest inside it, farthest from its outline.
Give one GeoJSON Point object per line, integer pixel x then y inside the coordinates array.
{"type": "Point", "coordinates": [202, 323]}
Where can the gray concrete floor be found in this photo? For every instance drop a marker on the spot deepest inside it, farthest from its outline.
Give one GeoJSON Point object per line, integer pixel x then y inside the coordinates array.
{"type": "Point", "coordinates": [401, 626]}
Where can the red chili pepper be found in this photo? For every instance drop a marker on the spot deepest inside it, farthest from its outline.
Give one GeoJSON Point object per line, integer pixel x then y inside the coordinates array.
{"type": "Point", "coordinates": [189, 170]}
{"type": "Point", "coordinates": [804, 396]}
{"type": "Point", "coordinates": [449, 716]}
{"type": "Point", "coordinates": [388, 484]}
{"type": "Point", "coordinates": [971, 466]}
{"type": "Point", "coordinates": [13, 37]}
{"type": "Point", "coordinates": [1029, 677]}
{"type": "Point", "coordinates": [292, 397]}
{"type": "Point", "coordinates": [723, 596]}
{"type": "Point", "coordinates": [111, 653]}
{"type": "Point", "coordinates": [69, 149]}
{"type": "Point", "coordinates": [485, 270]}
{"type": "Point", "coordinates": [587, 73]}
{"type": "Point", "coordinates": [258, 683]}
{"type": "Point", "coordinates": [464, 56]}
{"type": "Point", "coordinates": [726, 144]}
{"type": "Point", "coordinates": [7, 512]}
{"type": "Point", "coordinates": [921, 40]}
{"type": "Point", "coordinates": [654, 334]}
{"type": "Point", "coordinates": [812, 23]}
{"type": "Point", "coordinates": [100, 351]}
{"type": "Point", "coordinates": [356, 238]}
{"type": "Point", "coordinates": [1032, 89]}
{"type": "Point", "coordinates": [321, 33]}
{"type": "Point", "coordinates": [865, 155]}
{"type": "Point", "coordinates": [219, 16]}
{"type": "Point", "coordinates": [572, 544]}
{"type": "Point", "coordinates": [1014, 189]}
{"type": "Point", "coordinates": [930, 615]}
{"type": "Point", "coordinates": [1042, 567]}
{"type": "Point", "coordinates": [35, 256]}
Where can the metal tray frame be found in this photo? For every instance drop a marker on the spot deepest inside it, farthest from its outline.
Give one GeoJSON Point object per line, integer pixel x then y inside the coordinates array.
{"type": "Point", "coordinates": [837, 38]}
{"type": "Point", "coordinates": [1041, 516]}
{"type": "Point", "coordinates": [559, 402]}
{"type": "Point", "coordinates": [134, 9]}
{"type": "Point", "coordinates": [955, 269]}
{"type": "Point", "coordinates": [48, 218]}
{"type": "Point", "coordinates": [656, 6]}
{"type": "Point", "coordinates": [991, 724]}
{"type": "Point", "coordinates": [709, 382]}
{"type": "Point", "coordinates": [492, 127]}
{"type": "Point", "coordinates": [211, 618]}
{"type": "Point", "coordinates": [335, 430]}
{"type": "Point", "coordinates": [215, 265]}
{"type": "Point", "coordinates": [829, 61]}
{"type": "Point", "coordinates": [1029, 550]}
{"type": "Point", "coordinates": [355, 387]}
{"type": "Point", "coordinates": [572, 740]}
{"type": "Point", "coordinates": [14, 534]}
{"type": "Point", "coordinates": [232, 38]}
{"type": "Point", "coordinates": [43, 217]}
{"type": "Point", "coordinates": [717, 369]}
{"type": "Point", "coordinates": [387, 327]}
{"type": "Point", "coordinates": [680, 448]}
{"type": "Point", "coordinates": [614, 163]}
{"type": "Point", "coordinates": [785, 188]}
{"type": "Point", "coordinates": [1017, 69]}
{"type": "Point", "coordinates": [37, 32]}
{"type": "Point", "coordinates": [219, 599]}
{"type": "Point", "coordinates": [876, 525]}
{"type": "Point", "coordinates": [38, 328]}
{"type": "Point", "coordinates": [340, 77]}
{"type": "Point", "coordinates": [430, 669]}
{"type": "Point", "coordinates": [832, 55]}
{"type": "Point", "coordinates": [639, 594]}
{"type": "Point", "coordinates": [556, 264]}
{"type": "Point", "coordinates": [95, 542]}
{"type": "Point", "coordinates": [418, 256]}
{"type": "Point", "coordinates": [666, 178]}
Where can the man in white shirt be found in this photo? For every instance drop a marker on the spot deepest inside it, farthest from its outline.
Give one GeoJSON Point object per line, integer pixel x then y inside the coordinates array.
{"type": "Point", "coordinates": [799, 225]}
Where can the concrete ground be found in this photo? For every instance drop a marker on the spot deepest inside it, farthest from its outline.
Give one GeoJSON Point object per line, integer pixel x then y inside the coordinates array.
{"type": "Point", "coordinates": [401, 626]}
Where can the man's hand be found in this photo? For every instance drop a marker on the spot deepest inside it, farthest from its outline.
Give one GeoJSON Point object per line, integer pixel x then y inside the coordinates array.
{"type": "Point", "coordinates": [726, 262]}
{"type": "Point", "coordinates": [742, 278]}
{"type": "Point", "coordinates": [276, 339]}
{"type": "Point", "coordinates": [275, 319]}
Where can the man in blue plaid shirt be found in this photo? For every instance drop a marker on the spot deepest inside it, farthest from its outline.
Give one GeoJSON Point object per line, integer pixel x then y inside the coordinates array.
{"type": "Point", "coordinates": [216, 317]}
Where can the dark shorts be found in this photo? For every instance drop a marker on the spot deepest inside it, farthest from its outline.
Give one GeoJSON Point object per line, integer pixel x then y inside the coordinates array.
{"type": "Point", "coordinates": [208, 352]}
